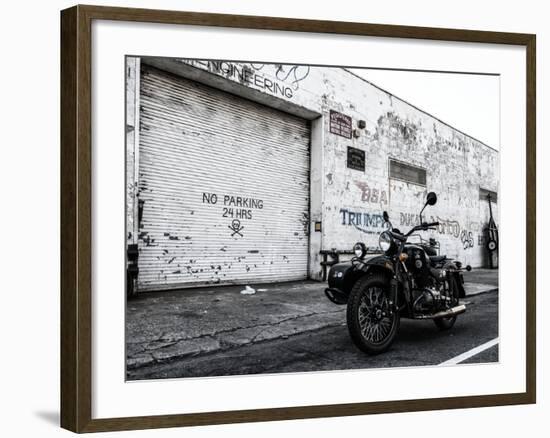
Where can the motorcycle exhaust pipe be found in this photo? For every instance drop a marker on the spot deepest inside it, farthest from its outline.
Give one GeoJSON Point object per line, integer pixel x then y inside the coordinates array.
{"type": "Point", "coordinates": [453, 311]}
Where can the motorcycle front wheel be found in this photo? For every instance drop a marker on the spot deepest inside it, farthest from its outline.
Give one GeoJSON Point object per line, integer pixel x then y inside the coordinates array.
{"type": "Point", "coordinates": [372, 323]}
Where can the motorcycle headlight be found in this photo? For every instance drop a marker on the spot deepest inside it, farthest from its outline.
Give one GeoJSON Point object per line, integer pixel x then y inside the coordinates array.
{"type": "Point", "coordinates": [385, 241]}
{"type": "Point", "coordinates": [359, 249]}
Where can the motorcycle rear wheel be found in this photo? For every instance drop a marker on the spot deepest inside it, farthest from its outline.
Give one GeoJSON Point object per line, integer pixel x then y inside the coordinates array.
{"type": "Point", "coordinates": [448, 322]}
{"type": "Point", "coordinates": [372, 324]}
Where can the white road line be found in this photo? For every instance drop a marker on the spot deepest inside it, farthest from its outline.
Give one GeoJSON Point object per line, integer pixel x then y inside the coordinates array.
{"type": "Point", "coordinates": [466, 355]}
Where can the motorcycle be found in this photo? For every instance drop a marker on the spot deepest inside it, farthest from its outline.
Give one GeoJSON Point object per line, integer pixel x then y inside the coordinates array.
{"type": "Point", "coordinates": [407, 280]}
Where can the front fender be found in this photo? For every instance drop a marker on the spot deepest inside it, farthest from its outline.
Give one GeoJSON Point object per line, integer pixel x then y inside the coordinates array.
{"type": "Point", "coordinates": [377, 262]}
{"type": "Point", "coordinates": [342, 276]}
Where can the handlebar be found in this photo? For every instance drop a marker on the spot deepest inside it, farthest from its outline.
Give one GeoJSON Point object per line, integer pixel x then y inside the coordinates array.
{"type": "Point", "coordinates": [403, 237]}
{"type": "Point", "coordinates": [424, 226]}
{"type": "Point", "coordinates": [398, 236]}
{"type": "Point", "coordinates": [431, 224]}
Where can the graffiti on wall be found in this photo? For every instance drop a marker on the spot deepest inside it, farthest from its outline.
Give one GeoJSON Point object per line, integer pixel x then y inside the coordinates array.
{"type": "Point", "coordinates": [236, 227]}
{"type": "Point", "coordinates": [235, 208]}
{"type": "Point", "coordinates": [372, 195]}
{"type": "Point", "coordinates": [409, 219]}
{"type": "Point", "coordinates": [369, 223]}
{"type": "Point", "coordinates": [293, 74]}
{"type": "Point", "coordinates": [284, 83]}
{"type": "Point", "coordinates": [373, 223]}
{"type": "Point", "coordinates": [467, 239]}
{"type": "Point", "coordinates": [446, 227]}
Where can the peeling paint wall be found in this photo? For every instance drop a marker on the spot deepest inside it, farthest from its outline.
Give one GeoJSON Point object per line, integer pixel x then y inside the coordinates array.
{"type": "Point", "coordinates": [348, 203]}
{"type": "Point", "coordinates": [456, 165]}
{"type": "Point", "coordinates": [132, 147]}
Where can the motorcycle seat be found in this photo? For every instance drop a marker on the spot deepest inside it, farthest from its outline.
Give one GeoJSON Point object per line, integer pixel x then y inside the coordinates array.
{"type": "Point", "coordinates": [437, 259]}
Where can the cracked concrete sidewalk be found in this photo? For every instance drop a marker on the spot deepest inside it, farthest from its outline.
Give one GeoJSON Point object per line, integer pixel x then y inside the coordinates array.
{"type": "Point", "coordinates": [163, 326]}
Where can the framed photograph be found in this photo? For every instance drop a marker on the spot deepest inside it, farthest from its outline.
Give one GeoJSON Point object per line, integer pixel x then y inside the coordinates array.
{"type": "Point", "coordinates": [267, 219]}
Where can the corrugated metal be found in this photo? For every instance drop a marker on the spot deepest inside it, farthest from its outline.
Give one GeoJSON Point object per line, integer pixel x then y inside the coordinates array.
{"type": "Point", "coordinates": [196, 141]}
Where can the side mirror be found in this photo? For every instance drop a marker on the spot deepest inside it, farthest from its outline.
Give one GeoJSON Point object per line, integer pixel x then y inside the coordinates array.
{"type": "Point", "coordinates": [386, 216]}
{"type": "Point", "coordinates": [431, 199]}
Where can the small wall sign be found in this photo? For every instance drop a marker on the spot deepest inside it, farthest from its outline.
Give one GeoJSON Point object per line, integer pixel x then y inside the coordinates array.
{"type": "Point", "coordinates": [340, 124]}
{"type": "Point", "coordinates": [356, 159]}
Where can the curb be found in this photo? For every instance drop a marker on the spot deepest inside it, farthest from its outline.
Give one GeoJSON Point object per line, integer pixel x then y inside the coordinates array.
{"type": "Point", "coordinates": [489, 288]}
{"type": "Point", "coordinates": [215, 343]}
{"type": "Point", "coordinates": [229, 341]}
{"type": "Point", "coordinates": [485, 291]}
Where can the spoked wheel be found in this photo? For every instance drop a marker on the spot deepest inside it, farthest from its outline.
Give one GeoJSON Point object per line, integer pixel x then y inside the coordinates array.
{"type": "Point", "coordinates": [371, 322]}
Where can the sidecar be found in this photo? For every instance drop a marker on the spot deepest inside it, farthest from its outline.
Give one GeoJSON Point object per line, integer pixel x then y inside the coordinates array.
{"type": "Point", "coordinates": [342, 276]}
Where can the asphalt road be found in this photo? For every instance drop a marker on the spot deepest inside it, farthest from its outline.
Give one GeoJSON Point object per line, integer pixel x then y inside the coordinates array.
{"type": "Point", "coordinates": [418, 343]}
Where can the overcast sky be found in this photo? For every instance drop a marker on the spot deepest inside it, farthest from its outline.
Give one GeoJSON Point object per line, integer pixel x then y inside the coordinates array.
{"type": "Point", "coordinates": [467, 102]}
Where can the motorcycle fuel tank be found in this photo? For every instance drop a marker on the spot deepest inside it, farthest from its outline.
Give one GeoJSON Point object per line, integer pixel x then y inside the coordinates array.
{"type": "Point", "coordinates": [418, 263]}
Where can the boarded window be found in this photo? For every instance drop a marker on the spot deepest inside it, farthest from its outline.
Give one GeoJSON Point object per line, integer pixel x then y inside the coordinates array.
{"type": "Point", "coordinates": [484, 193]}
{"type": "Point", "coordinates": [406, 172]}
{"type": "Point", "coordinates": [356, 159]}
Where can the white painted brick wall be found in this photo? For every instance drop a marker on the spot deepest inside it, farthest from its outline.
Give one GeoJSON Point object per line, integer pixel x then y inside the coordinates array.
{"type": "Point", "coordinates": [457, 165]}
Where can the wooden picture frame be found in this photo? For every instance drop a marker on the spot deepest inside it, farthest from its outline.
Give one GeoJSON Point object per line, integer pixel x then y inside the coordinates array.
{"type": "Point", "coordinates": [76, 217]}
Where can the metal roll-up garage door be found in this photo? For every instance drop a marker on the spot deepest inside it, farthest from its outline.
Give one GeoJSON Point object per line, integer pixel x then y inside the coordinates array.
{"type": "Point", "coordinates": [223, 187]}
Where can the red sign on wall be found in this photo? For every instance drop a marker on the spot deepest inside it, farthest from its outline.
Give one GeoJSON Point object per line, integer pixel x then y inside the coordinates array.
{"type": "Point", "coordinates": [340, 124]}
